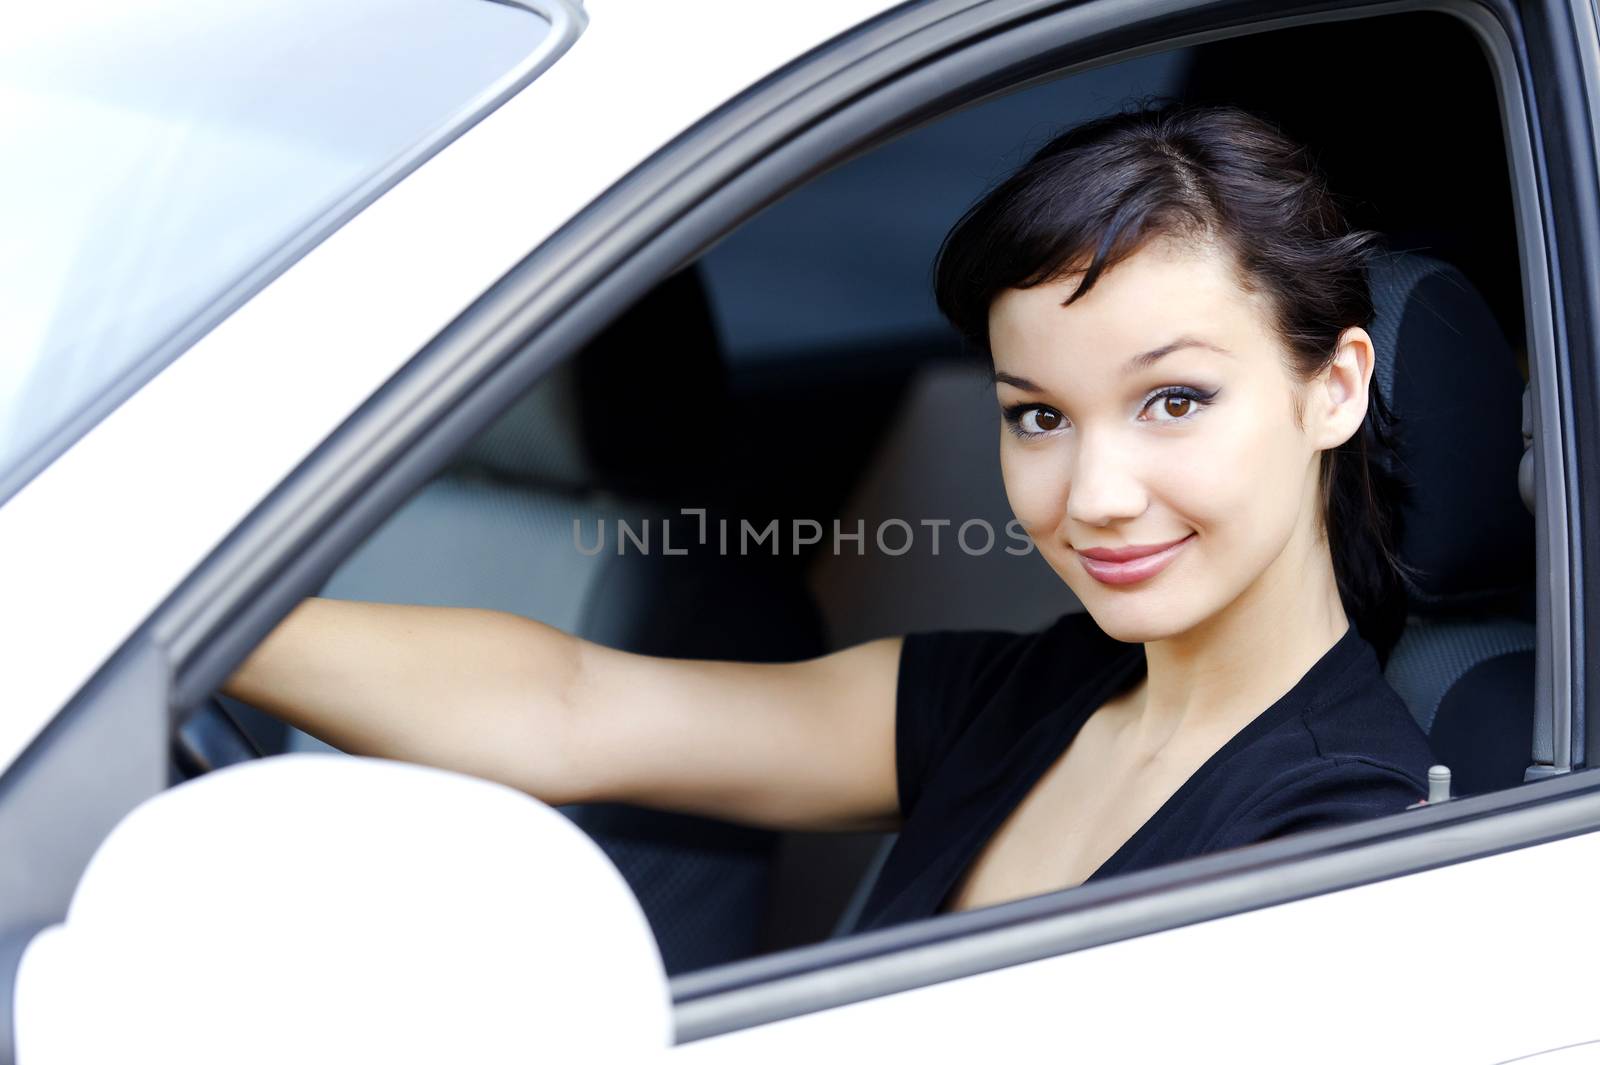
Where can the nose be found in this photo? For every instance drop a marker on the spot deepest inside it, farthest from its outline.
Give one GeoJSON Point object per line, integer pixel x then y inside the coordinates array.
{"type": "Point", "coordinates": [1103, 484]}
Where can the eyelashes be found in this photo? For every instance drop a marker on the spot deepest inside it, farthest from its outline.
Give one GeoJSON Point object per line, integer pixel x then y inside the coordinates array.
{"type": "Point", "coordinates": [1031, 420]}
{"type": "Point", "coordinates": [1198, 400]}
{"type": "Point", "coordinates": [1016, 414]}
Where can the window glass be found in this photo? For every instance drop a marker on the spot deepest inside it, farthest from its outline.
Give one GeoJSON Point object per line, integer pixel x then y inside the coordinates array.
{"type": "Point", "coordinates": [161, 153]}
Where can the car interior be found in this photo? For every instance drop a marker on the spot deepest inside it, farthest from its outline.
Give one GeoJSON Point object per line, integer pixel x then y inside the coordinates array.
{"type": "Point", "coordinates": [798, 370]}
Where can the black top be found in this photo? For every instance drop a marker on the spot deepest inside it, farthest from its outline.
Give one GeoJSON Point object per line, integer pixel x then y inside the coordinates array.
{"type": "Point", "coordinates": [981, 715]}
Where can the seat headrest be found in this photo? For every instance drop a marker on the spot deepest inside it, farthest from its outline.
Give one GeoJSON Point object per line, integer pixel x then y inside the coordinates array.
{"type": "Point", "coordinates": [1446, 371]}
{"type": "Point", "coordinates": [636, 411]}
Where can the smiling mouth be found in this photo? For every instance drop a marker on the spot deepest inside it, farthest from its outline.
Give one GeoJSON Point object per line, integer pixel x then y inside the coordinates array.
{"type": "Point", "coordinates": [1135, 564]}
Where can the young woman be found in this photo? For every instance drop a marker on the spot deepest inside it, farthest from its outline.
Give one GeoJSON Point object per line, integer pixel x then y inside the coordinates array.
{"type": "Point", "coordinates": [1174, 307]}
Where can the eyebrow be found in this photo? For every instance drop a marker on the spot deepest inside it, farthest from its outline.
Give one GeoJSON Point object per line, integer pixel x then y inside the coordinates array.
{"type": "Point", "coordinates": [1133, 365]}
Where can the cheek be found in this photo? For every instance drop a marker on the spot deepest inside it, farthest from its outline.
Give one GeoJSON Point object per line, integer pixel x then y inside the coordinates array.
{"type": "Point", "coordinates": [1210, 477]}
{"type": "Point", "coordinates": [1034, 488]}
{"type": "Point", "coordinates": [1244, 476]}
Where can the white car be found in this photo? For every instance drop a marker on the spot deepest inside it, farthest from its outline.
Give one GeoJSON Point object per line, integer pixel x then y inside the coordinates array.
{"type": "Point", "coordinates": [462, 302]}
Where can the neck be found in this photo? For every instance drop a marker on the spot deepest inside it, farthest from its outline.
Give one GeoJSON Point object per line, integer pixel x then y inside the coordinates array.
{"type": "Point", "coordinates": [1223, 672]}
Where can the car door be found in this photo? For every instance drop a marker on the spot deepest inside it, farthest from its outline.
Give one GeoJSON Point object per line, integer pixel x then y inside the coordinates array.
{"type": "Point", "coordinates": [1248, 949]}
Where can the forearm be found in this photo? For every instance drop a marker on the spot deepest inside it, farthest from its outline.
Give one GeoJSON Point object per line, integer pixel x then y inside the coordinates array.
{"type": "Point", "coordinates": [478, 691]}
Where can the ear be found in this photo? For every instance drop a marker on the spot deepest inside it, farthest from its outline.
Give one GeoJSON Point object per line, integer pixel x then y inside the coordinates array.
{"type": "Point", "coordinates": [1337, 398]}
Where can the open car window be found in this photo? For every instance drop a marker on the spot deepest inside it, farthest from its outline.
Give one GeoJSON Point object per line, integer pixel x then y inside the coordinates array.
{"type": "Point", "coordinates": [841, 515]}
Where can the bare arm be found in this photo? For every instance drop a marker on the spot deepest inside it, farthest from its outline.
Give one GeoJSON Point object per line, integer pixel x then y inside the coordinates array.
{"type": "Point", "coordinates": [806, 745]}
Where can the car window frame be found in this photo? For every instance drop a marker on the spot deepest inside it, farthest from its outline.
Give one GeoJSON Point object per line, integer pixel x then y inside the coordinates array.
{"type": "Point", "coordinates": [1567, 84]}
{"type": "Point", "coordinates": [906, 66]}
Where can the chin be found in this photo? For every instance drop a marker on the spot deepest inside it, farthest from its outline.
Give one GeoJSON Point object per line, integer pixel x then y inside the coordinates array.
{"type": "Point", "coordinates": [1130, 624]}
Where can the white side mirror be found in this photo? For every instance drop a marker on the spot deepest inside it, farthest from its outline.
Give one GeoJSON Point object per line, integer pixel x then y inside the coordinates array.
{"type": "Point", "coordinates": [316, 907]}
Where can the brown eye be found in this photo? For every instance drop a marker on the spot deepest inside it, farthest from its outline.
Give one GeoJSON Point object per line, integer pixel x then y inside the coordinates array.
{"type": "Point", "coordinates": [1177, 405]}
{"type": "Point", "coordinates": [1027, 421]}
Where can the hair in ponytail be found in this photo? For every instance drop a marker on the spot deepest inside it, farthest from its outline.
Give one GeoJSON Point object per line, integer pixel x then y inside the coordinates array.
{"type": "Point", "coordinates": [1099, 192]}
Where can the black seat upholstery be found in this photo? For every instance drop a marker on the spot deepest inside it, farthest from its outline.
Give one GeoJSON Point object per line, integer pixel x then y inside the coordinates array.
{"type": "Point", "coordinates": [1464, 664]}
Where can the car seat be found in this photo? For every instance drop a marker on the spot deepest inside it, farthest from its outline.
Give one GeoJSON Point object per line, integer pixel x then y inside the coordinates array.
{"type": "Point", "coordinates": [1465, 661]}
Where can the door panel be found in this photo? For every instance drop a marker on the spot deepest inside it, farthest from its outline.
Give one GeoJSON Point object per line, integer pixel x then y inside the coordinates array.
{"type": "Point", "coordinates": [1429, 967]}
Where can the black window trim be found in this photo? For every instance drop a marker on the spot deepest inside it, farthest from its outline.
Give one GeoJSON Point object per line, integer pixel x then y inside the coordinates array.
{"type": "Point", "coordinates": [1563, 42]}
{"type": "Point", "coordinates": [885, 76]}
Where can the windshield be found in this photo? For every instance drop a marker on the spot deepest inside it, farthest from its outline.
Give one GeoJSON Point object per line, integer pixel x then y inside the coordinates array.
{"type": "Point", "coordinates": [166, 158]}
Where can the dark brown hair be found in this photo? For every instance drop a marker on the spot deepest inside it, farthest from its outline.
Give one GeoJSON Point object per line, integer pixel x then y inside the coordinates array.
{"type": "Point", "coordinates": [1221, 175]}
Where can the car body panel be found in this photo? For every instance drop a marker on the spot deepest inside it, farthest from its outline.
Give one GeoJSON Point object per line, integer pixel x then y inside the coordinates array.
{"type": "Point", "coordinates": [93, 544]}
{"type": "Point", "coordinates": [1425, 981]}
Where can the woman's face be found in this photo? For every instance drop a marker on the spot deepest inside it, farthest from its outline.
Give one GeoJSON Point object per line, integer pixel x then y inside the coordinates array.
{"type": "Point", "coordinates": [1156, 409]}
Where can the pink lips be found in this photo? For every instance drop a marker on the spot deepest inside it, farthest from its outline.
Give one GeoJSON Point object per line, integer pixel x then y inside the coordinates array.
{"type": "Point", "coordinates": [1128, 565]}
